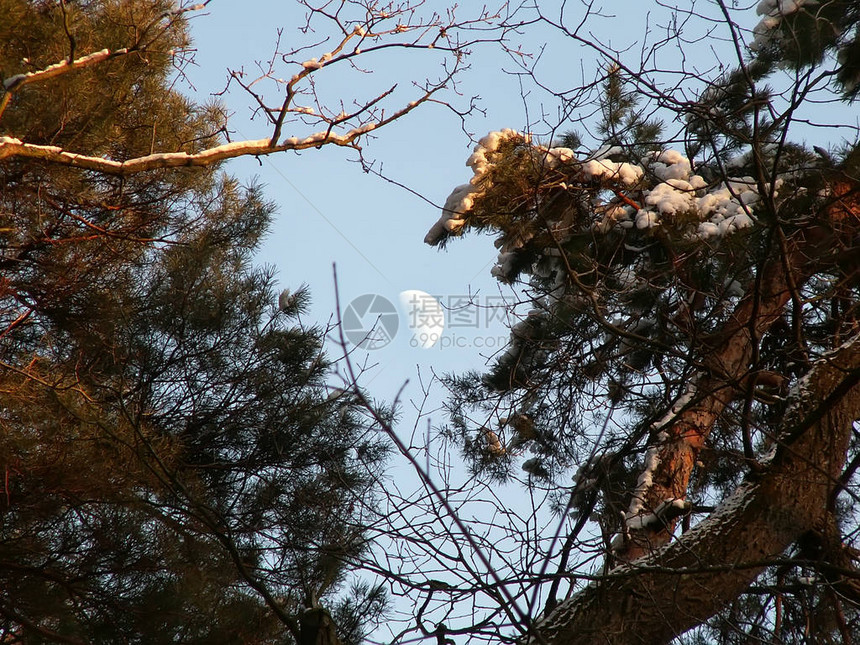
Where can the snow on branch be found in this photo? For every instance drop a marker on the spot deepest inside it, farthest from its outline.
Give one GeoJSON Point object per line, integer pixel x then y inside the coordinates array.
{"type": "Point", "coordinates": [342, 126]}
{"type": "Point", "coordinates": [753, 526]}
{"type": "Point", "coordinates": [13, 83]}
{"type": "Point", "coordinates": [773, 12]}
{"type": "Point", "coordinates": [537, 199]}
{"type": "Point", "coordinates": [660, 190]}
{"type": "Point", "coordinates": [11, 147]}
{"type": "Point", "coordinates": [376, 31]}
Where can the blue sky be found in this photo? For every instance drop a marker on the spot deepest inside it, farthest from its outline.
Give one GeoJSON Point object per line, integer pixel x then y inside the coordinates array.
{"type": "Point", "coordinates": [330, 211]}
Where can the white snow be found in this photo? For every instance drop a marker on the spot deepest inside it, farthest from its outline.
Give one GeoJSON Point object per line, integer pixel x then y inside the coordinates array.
{"type": "Point", "coordinates": [604, 169]}
{"type": "Point", "coordinates": [671, 199]}
{"type": "Point", "coordinates": [680, 403]}
{"type": "Point", "coordinates": [774, 11]}
{"type": "Point", "coordinates": [462, 198]}
{"type": "Point", "coordinates": [646, 219]}
{"type": "Point", "coordinates": [645, 519]}
{"type": "Point", "coordinates": [58, 68]}
{"type": "Point", "coordinates": [708, 230]}
{"type": "Point", "coordinates": [493, 140]}
{"type": "Point", "coordinates": [669, 164]}
{"type": "Point", "coordinates": [477, 161]}
{"type": "Point", "coordinates": [662, 185]}
{"type": "Point", "coordinates": [532, 466]}
{"type": "Point", "coordinates": [285, 300]}
{"type": "Point", "coordinates": [672, 157]}
{"type": "Point", "coordinates": [637, 504]}
{"type": "Point", "coordinates": [765, 7]}
{"type": "Point", "coordinates": [14, 80]}
{"type": "Point", "coordinates": [640, 521]}
{"type": "Point", "coordinates": [453, 225]}
{"type": "Point", "coordinates": [607, 151]}
{"type": "Point", "coordinates": [749, 197]}
{"type": "Point", "coordinates": [734, 223]}
{"type": "Point", "coordinates": [504, 266]}
{"type": "Point", "coordinates": [554, 156]}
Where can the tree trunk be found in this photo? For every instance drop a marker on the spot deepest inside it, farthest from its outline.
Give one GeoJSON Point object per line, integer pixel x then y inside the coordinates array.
{"type": "Point", "coordinates": [660, 596]}
{"type": "Point", "coordinates": [688, 424]}
{"type": "Point", "coordinates": [317, 628]}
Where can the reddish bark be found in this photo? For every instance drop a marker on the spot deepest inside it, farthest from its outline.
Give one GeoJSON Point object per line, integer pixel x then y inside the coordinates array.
{"type": "Point", "coordinates": [684, 583]}
{"type": "Point", "coordinates": [728, 364]}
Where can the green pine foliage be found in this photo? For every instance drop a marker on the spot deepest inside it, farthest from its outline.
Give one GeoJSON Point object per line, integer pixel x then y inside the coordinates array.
{"type": "Point", "coordinates": [174, 466]}
{"type": "Point", "coordinates": [630, 298]}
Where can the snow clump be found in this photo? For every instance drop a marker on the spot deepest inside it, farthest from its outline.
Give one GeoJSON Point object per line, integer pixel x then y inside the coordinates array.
{"type": "Point", "coordinates": [462, 198]}
{"type": "Point", "coordinates": [663, 185]}
{"type": "Point", "coordinates": [773, 11]}
{"type": "Point", "coordinates": [627, 173]}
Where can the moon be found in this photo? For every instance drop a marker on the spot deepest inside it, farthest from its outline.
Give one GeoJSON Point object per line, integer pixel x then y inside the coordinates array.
{"type": "Point", "coordinates": [425, 317]}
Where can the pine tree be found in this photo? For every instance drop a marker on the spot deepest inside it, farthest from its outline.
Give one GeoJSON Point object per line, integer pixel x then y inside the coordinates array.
{"type": "Point", "coordinates": [692, 342]}
{"type": "Point", "coordinates": [175, 467]}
